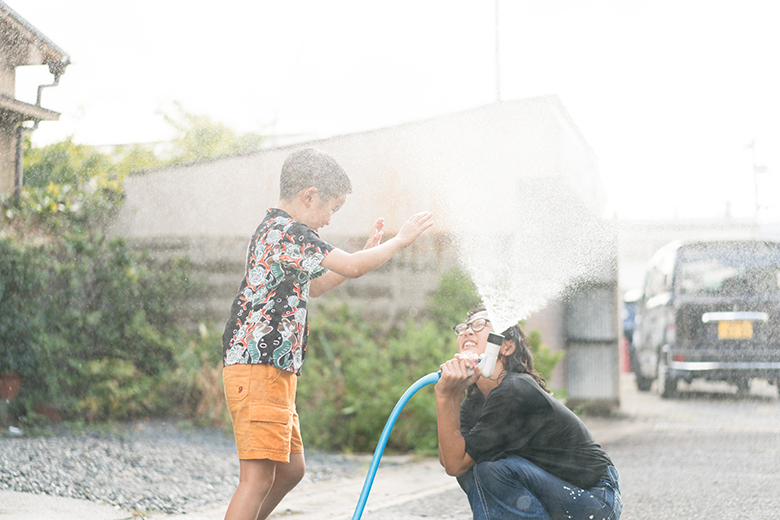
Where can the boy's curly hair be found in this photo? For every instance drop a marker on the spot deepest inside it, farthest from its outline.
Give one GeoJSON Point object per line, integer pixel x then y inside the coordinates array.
{"type": "Point", "coordinates": [312, 167]}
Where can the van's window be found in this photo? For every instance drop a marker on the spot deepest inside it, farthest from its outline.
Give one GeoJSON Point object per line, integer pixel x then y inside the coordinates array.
{"type": "Point", "coordinates": [729, 271]}
{"type": "Point", "coordinates": [655, 282]}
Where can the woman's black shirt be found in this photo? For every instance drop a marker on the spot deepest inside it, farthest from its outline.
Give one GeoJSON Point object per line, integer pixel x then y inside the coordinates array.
{"type": "Point", "coordinates": [519, 418]}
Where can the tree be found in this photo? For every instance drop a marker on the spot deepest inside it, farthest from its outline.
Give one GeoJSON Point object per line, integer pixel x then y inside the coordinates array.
{"type": "Point", "coordinates": [63, 163]}
{"type": "Point", "coordinates": [94, 321]}
{"type": "Point", "coordinates": [453, 298]}
{"type": "Point", "coordinates": [69, 163]}
{"type": "Point", "coordinates": [199, 137]}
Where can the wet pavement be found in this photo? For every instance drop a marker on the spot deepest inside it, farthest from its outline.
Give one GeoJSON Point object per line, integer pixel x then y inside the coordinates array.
{"type": "Point", "coordinates": [704, 455]}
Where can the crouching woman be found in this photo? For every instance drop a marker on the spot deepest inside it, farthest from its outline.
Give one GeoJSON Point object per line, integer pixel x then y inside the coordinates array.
{"type": "Point", "coordinates": [517, 452]}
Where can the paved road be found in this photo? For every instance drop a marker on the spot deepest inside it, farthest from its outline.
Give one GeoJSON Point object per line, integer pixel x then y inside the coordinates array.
{"type": "Point", "coordinates": [705, 455]}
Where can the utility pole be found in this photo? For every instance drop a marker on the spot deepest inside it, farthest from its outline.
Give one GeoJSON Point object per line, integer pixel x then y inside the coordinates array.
{"type": "Point", "coordinates": [757, 168]}
{"type": "Point", "coordinates": [498, 59]}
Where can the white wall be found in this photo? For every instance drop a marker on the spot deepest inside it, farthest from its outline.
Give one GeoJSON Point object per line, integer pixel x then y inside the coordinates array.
{"type": "Point", "coordinates": [395, 172]}
{"type": "Point", "coordinates": [514, 188]}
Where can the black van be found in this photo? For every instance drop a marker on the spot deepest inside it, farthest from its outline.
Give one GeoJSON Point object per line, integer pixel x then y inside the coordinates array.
{"type": "Point", "coordinates": [709, 309]}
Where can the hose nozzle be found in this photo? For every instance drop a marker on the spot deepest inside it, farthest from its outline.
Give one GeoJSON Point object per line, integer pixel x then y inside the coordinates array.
{"type": "Point", "coordinates": [487, 361]}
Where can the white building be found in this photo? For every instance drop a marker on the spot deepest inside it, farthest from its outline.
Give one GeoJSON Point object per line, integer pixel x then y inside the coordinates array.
{"type": "Point", "coordinates": [21, 44]}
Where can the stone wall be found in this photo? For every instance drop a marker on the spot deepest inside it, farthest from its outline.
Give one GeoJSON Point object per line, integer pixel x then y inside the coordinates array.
{"type": "Point", "coordinates": [400, 286]}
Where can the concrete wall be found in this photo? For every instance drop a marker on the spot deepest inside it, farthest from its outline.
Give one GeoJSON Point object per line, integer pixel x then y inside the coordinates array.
{"type": "Point", "coordinates": [522, 165]}
{"type": "Point", "coordinates": [483, 155]}
{"type": "Point", "coordinates": [395, 172]}
{"type": "Point", "coordinates": [583, 322]}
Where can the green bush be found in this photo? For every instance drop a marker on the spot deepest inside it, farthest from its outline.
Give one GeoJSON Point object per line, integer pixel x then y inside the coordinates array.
{"type": "Point", "coordinates": [91, 323]}
{"type": "Point", "coordinates": [452, 299]}
{"type": "Point", "coordinates": [110, 388]}
{"type": "Point", "coordinates": [194, 387]}
{"type": "Point", "coordinates": [22, 283]}
{"type": "Point", "coordinates": [356, 369]}
{"type": "Point", "coordinates": [88, 321]}
{"type": "Point", "coordinates": [545, 360]}
{"type": "Point", "coordinates": [63, 164]}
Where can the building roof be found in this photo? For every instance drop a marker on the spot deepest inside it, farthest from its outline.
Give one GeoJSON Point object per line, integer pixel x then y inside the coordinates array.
{"type": "Point", "coordinates": [11, 108]}
{"type": "Point", "coordinates": [26, 44]}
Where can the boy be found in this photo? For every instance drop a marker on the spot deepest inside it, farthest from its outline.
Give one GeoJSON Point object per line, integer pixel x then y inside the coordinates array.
{"type": "Point", "coordinates": [264, 342]}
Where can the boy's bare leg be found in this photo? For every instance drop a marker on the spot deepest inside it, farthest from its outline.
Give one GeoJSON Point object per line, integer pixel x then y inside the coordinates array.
{"type": "Point", "coordinates": [287, 477]}
{"type": "Point", "coordinates": [254, 483]}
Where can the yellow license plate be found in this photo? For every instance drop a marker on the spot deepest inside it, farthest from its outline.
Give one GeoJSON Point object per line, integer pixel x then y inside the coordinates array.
{"type": "Point", "coordinates": [735, 329]}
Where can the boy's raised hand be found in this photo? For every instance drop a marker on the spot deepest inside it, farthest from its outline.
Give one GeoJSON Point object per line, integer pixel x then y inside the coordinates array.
{"type": "Point", "coordinates": [375, 235]}
{"type": "Point", "coordinates": [355, 265]}
{"type": "Point", "coordinates": [414, 227]}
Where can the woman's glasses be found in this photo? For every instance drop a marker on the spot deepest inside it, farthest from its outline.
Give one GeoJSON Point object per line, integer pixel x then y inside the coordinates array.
{"type": "Point", "coordinates": [476, 325]}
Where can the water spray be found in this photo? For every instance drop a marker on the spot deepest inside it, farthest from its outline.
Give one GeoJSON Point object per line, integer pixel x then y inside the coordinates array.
{"type": "Point", "coordinates": [487, 363]}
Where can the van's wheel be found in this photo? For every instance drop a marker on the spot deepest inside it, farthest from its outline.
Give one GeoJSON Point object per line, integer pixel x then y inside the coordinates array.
{"type": "Point", "coordinates": [743, 387]}
{"type": "Point", "coordinates": [643, 384]}
{"type": "Point", "coordinates": [667, 385]}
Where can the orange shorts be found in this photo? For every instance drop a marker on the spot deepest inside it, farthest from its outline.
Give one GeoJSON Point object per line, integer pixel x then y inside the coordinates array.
{"type": "Point", "coordinates": [261, 400]}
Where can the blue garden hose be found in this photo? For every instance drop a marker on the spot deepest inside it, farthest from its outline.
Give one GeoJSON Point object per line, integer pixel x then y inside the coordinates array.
{"type": "Point", "coordinates": [380, 448]}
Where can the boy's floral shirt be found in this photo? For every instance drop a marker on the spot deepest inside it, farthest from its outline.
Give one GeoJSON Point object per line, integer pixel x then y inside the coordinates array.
{"type": "Point", "coordinates": [268, 318]}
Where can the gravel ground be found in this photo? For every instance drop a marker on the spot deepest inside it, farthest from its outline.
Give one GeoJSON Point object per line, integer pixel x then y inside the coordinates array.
{"type": "Point", "coordinates": [146, 466]}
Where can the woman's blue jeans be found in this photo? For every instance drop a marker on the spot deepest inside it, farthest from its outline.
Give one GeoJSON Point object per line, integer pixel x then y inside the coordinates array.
{"type": "Point", "coordinates": [513, 488]}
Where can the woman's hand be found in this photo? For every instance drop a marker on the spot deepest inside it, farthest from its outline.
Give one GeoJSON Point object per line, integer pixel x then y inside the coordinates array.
{"type": "Point", "coordinates": [455, 377]}
{"type": "Point", "coordinates": [450, 390]}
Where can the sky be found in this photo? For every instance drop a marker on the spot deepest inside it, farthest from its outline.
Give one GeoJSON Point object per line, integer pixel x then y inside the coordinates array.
{"type": "Point", "coordinates": [669, 94]}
